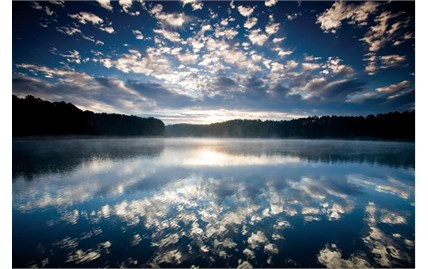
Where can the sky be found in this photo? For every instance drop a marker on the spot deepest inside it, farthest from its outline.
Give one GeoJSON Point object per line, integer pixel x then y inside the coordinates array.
{"type": "Point", "coordinates": [209, 61]}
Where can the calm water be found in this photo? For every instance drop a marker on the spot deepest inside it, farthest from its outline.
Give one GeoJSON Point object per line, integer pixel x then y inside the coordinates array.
{"type": "Point", "coordinates": [213, 203]}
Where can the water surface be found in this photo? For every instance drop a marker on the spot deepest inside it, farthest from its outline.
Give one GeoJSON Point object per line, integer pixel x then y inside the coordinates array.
{"type": "Point", "coordinates": [212, 203]}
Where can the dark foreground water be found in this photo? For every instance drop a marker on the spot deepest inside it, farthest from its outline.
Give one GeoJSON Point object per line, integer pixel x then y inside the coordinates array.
{"type": "Point", "coordinates": [213, 203]}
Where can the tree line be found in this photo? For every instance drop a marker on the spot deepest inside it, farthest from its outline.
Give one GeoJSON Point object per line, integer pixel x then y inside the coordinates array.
{"type": "Point", "coordinates": [35, 117]}
{"type": "Point", "coordinates": [390, 126]}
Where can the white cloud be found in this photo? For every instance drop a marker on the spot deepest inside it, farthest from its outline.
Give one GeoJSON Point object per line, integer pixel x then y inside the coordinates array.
{"type": "Point", "coordinates": [389, 92]}
{"type": "Point", "coordinates": [68, 30]}
{"type": "Point", "coordinates": [245, 11]}
{"type": "Point", "coordinates": [172, 19]}
{"type": "Point", "coordinates": [244, 265]}
{"type": "Point", "coordinates": [389, 61]}
{"type": "Point", "coordinates": [334, 64]}
{"type": "Point", "coordinates": [250, 23]}
{"type": "Point", "coordinates": [156, 9]}
{"type": "Point", "coordinates": [310, 211]}
{"type": "Point", "coordinates": [138, 35]}
{"type": "Point", "coordinates": [105, 4]}
{"type": "Point", "coordinates": [331, 257]}
{"type": "Point", "coordinates": [171, 36]}
{"type": "Point", "coordinates": [249, 253]}
{"type": "Point", "coordinates": [394, 87]}
{"type": "Point", "coordinates": [389, 217]}
{"type": "Point", "coordinates": [256, 239]}
{"type": "Point", "coordinates": [332, 18]}
{"type": "Point", "coordinates": [126, 6]}
{"type": "Point", "coordinates": [292, 16]}
{"type": "Point", "coordinates": [271, 249]}
{"type": "Point", "coordinates": [272, 28]}
{"type": "Point", "coordinates": [310, 66]}
{"type": "Point", "coordinates": [282, 52]}
{"type": "Point", "coordinates": [81, 256]}
{"type": "Point", "coordinates": [37, 6]}
{"type": "Point", "coordinates": [84, 17]}
{"type": "Point", "coordinates": [108, 29]}
{"type": "Point", "coordinates": [48, 11]}
{"type": "Point", "coordinates": [47, 71]}
{"type": "Point", "coordinates": [187, 58]}
{"type": "Point", "coordinates": [196, 4]}
{"type": "Point", "coordinates": [292, 64]}
{"type": "Point", "coordinates": [57, 2]}
{"type": "Point", "coordinates": [257, 37]}
{"type": "Point", "coordinates": [276, 67]}
{"type": "Point", "coordinates": [270, 3]}
{"type": "Point", "coordinates": [278, 39]}
{"type": "Point", "coordinates": [72, 57]}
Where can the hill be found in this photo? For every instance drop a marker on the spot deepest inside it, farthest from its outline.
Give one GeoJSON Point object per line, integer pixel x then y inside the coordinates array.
{"type": "Point", "coordinates": [35, 117]}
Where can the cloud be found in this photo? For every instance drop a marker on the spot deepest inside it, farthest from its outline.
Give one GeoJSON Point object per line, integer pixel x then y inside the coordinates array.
{"type": "Point", "coordinates": [257, 37]}
{"type": "Point", "coordinates": [278, 39]}
{"type": "Point", "coordinates": [271, 249]}
{"type": "Point", "coordinates": [68, 30]}
{"type": "Point", "coordinates": [378, 36]}
{"type": "Point", "coordinates": [331, 257]}
{"type": "Point", "coordinates": [390, 61]}
{"type": "Point", "coordinates": [293, 16]}
{"type": "Point", "coordinates": [394, 87]}
{"type": "Point", "coordinates": [84, 17]}
{"type": "Point", "coordinates": [105, 4]}
{"type": "Point", "coordinates": [57, 2]}
{"type": "Point", "coordinates": [107, 29]}
{"type": "Point", "coordinates": [81, 256]}
{"type": "Point", "coordinates": [138, 35]}
{"type": "Point", "coordinates": [244, 265]}
{"type": "Point", "coordinates": [334, 65]}
{"type": "Point", "coordinates": [310, 66]}
{"type": "Point", "coordinates": [37, 6]}
{"type": "Point", "coordinates": [250, 23]}
{"type": "Point", "coordinates": [256, 239]}
{"type": "Point", "coordinates": [48, 11]}
{"type": "Point", "coordinates": [331, 19]}
{"type": "Point", "coordinates": [270, 3]}
{"type": "Point", "coordinates": [196, 4]}
{"type": "Point", "coordinates": [393, 218]}
{"type": "Point", "coordinates": [272, 28]}
{"type": "Point", "coordinates": [96, 94]}
{"type": "Point", "coordinates": [171, 36]}
{"type": "Point", "coordinates": [126, 5]}
{"type": "Point", "coordinates": [170, 19]}
{"type": "Point", "coordinates": [245, 11]}
{"type": "Point", "coordinates": [47, 71]}
{"type": "Point", "coordinates": [72, 57]}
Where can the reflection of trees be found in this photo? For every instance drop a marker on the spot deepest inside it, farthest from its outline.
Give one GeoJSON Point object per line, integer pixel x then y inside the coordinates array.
{"type": "Point", "coordinates": [42, 156]}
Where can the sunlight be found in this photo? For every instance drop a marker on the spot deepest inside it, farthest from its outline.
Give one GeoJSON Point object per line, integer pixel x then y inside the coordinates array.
{"type": "Point", "coordinates": [207, 157]}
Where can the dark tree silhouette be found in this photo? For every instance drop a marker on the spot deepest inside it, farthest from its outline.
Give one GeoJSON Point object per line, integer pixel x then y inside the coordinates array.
{"type": "Point", "coordinates": [390, 126]}
{"type": "Point", "coordinates": [34, 117]}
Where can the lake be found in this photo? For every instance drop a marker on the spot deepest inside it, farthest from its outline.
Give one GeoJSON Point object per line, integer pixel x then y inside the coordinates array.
{"type": "Point", "coordinates": [213, 203]}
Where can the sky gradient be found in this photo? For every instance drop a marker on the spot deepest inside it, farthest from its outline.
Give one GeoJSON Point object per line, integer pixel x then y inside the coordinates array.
{"type": "Point", "coordinates": [209, 61]}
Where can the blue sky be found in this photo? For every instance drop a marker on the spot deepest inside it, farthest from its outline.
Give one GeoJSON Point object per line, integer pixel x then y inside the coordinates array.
{"type": "Point", "coordinates": [209, 61]}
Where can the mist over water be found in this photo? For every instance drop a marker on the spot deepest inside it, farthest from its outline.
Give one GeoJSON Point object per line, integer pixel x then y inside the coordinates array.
{"type": "Point", "coordinates": [213, 203]}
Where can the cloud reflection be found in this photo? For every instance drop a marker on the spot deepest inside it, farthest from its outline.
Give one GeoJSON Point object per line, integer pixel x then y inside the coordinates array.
{"type": "Point", "coordinates": [211, 203]}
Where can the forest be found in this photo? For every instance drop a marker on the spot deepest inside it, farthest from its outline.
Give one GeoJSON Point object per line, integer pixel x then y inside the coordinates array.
{"type": "Point", "coordinates": [35, 117]}
{"type": "Point", "coordinates": [390, 126]}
